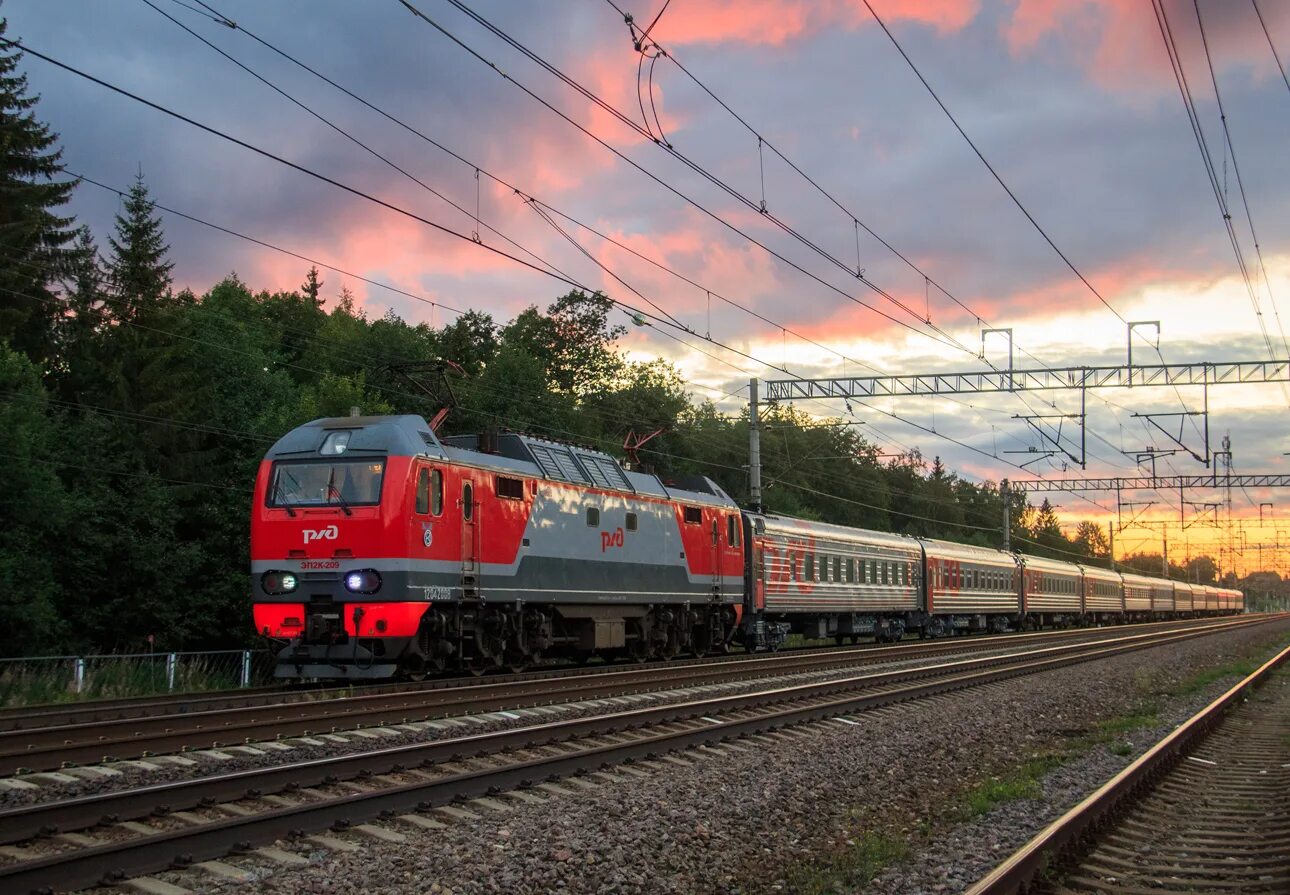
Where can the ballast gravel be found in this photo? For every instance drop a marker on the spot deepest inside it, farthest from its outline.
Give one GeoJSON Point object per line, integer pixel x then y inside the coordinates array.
{"type": "Point", "coordinates": [767, 812]}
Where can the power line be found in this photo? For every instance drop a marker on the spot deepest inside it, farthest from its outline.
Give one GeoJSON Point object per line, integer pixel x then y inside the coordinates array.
{"type": "Point", "coordinates": [620, 155]}
{"type": "Point", "coordinates": [989, 167]}
{"type": "Point", "coordinates": [613, 111]}
{"type": "Point", "coordinates": [1240, 183]}
{"type": "Point", "coordinates": [1281, 69]}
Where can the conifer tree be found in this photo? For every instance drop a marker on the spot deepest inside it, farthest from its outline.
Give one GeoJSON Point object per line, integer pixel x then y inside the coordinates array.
{"type": "Point", "coordinates": [138, 268]}
{"type": "Point", "coordinates": [33, 236]}
{"type": "Point", "coordinates": [312, 287]}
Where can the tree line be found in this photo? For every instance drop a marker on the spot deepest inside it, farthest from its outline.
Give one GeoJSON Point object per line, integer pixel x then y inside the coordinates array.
{"type": "Point", "coordinates": [135, 413]}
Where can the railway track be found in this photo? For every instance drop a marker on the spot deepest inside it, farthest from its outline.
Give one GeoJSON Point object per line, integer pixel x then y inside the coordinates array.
{"type": "Point", "coordinates": [1206, 810]}
{"type": "Point", "coordinates": [141, 727]}
{"type": "Point", "coordinates": [82, 841]}
{"type": "Point", "coordinates": [30, 718]}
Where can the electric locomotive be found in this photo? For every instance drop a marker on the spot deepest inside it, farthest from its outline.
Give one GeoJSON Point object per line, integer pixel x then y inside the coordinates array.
{"type": "Point", "coordinates": [378, 549]}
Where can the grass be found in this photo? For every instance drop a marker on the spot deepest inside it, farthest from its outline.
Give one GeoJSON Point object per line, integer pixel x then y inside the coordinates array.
{"type": "Point", "coordinates": [852, 868]}
{"type": "Point", "coordinates": [1019, 783]}
{"type": "Point", "coordinates": [36, 683]}
{"type": "Point", "coordinates": [1201, 680]}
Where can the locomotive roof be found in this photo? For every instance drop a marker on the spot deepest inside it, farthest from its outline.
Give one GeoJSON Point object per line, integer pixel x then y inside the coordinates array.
{"type": "Point", "coordinates": [406, 435]}
{"type": "Point", "coordinates": [409, 435]}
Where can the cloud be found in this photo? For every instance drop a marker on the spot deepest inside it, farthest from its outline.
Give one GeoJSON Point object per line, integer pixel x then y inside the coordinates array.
{"type": "Point", "coordinates": [778, 22]}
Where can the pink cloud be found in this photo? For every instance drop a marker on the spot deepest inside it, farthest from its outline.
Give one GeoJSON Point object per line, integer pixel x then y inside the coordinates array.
{"type": "Point", "coordinates": [777, 22]}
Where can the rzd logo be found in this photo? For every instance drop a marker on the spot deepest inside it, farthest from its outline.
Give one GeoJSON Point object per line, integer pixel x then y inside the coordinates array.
{"type": "Point", "coordinates": [611, 539]}
{"type": "Point", "coordinates": [329, 533]}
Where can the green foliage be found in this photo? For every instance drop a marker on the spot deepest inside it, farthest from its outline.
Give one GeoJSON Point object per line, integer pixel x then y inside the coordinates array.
{"type": "Point", "coordinates": [137, 266]}
{"type": "Point", "coordinates": [1022, 782]}
{"type": "Point", "coordinates": [852, 868]}
{"type": "Point", "coordinates": [34, 238]}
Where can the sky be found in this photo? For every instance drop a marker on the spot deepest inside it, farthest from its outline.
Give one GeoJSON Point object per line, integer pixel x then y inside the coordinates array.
{"type": "Point", "coordinates": [1073, 102]}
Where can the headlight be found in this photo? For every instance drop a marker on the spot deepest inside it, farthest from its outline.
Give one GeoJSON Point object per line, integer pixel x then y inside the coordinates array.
{"type": "Point", "coordinates": [278, 582]}
{"type": "Point", "coordinates": [363, 581]}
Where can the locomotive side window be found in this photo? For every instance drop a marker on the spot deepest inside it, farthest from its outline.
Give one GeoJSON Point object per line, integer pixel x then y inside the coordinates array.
{"type": "Point", "coordinates": [593, 516]}
{"type": "Point", "coordinates": [693, 516]}
{"type": "Point", "coordinates": [423, 490]}
{"type": "Point", "coordinates": [631, 522]}
{"type": "Point", "coordinates": [732, 531]}
{"type": "Point", "coordinates": [467, 501]}
{"type": "Point", "coordinates": [436, 492]}
{"type": "Point", "coordinates": [510, 488]}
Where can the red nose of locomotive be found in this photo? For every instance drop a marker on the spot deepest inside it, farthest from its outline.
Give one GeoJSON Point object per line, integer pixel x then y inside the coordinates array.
{"type": "Point", "coordinates": [327, 564]}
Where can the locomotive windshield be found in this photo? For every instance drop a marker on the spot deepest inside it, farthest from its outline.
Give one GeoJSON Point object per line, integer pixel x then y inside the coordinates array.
{"type": "Point", "coordinates": [342, 483]}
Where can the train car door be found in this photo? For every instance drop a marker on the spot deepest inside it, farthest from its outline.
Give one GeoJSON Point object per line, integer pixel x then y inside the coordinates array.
{"type": "Point", "coordinates": [469, 539]}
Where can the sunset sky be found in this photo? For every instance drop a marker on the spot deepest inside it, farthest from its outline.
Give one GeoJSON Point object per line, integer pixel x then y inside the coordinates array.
{"type": "Point", "coordinates": [1072, 101]}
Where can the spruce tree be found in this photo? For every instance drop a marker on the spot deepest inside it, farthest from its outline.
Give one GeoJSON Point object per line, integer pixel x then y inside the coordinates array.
{"type": "Point", "coordinates": [138, 269]}
{"type": "Point", "coordinates": [33, 237]}
{"type": "Point", "coordinates": [312, 287]}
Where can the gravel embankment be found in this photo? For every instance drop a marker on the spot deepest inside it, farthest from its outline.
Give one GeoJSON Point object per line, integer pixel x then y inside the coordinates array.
{"type": "Point", "coordinates": [164, 769]}
{"type": "Point", "coordinates": [760, 818]}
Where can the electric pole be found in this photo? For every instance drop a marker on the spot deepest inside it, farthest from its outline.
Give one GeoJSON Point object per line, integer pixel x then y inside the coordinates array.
{"type": "Point", "coordinates": [1007, 514]}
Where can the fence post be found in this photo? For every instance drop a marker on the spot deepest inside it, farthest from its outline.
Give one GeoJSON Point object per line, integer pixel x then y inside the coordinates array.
{"type": "Point", "coordinates": [78, 673]}
{"type": "Point", "coordinates": [172, 660]}
{"type": "Point", "coordinates": [246, 668]}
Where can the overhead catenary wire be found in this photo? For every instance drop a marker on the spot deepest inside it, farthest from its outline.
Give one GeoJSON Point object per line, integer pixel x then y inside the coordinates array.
{"type": "Point", "coordinates": [667, 186]}
{"type": "Point", "coordinates": [216, 16]}
{"type": "Point", "coordinates": [1240, 183]}
{"type": "Point", "coordinates": [1198, 134]}
{"type": "Point", "coordinates": [1281, 69]}
{"type": "Point", "coordinates": [643, 131]}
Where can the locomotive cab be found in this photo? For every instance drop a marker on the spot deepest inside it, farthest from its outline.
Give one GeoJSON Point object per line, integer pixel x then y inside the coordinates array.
{"type": "Point", "coordinates": [330, 539]}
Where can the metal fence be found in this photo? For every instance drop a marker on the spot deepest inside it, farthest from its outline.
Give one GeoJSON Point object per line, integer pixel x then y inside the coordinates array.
{"type": "Point", "coordinates": [59, 678]}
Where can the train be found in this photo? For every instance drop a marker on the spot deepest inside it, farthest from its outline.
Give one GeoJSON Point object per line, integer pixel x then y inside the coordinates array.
{"type": "Point", "coordinates": [380, 549]}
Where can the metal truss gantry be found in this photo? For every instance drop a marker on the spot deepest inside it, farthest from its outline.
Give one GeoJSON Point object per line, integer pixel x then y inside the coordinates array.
{"type": "Point", "coordinates": [1029, 380]}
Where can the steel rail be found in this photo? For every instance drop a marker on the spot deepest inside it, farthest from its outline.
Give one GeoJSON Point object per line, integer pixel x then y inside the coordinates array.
{"type": "Point", "coordinates": [33, 718]}
{"type": "Point", "coordinates": [1062, 837]}
{"type": "Point", "coordinates": [50, 748]}
{"type": "Point", "coordinates": [709, 720]}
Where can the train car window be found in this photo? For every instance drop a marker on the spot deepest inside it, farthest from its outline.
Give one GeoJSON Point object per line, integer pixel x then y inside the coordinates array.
{"type": "Point", "coordinates": [593, 516]}
{"type": "Point", "coordinates": [809, 573]}
{"type": "Point", "coordinates": [423, 490]}
{"type": "Point", "coordinates": [510, 488]}
{"type": "Point", "coordinates": [732, 531]}
{"type": "Point", "coordinates": [436, 492]}
{"type": "Point", "coordinates": [467, 501]}
{"type": "Point", "coordinates": [837, 568]}
{"type": "Point", "coordinates": [694, 516]}
{"type": "Point", "coordinates": [792, 566]}
{"type": "Point", "coordinates": [631, 522]}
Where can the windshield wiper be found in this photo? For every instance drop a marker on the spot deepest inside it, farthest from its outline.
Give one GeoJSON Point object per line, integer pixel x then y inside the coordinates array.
{"type": "Point", "coordinates": [332, 489]}
{"type": "Point", "coordinates": [277, 493]}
